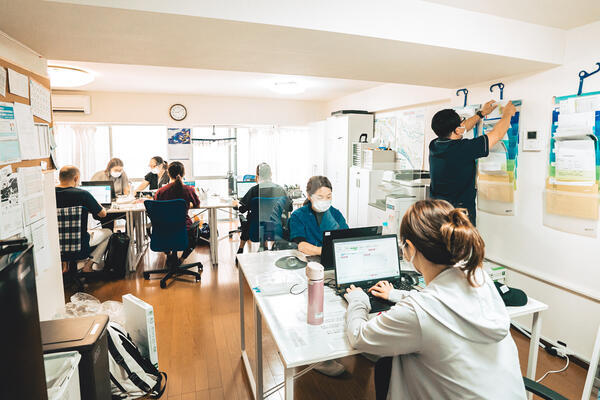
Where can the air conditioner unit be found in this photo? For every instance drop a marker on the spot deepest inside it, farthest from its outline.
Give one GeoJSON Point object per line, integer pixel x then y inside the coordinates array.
{"type": "Point", "coordinates": [71, 103]}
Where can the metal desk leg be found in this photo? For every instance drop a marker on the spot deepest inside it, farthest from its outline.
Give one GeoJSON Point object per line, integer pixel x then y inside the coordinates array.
{"type": "Point", "coordinates": [534, 346]}
{"type": "Point", "coordinates": [256, 389]}
{"type": "Point", "coordinates": [259, 358]}
{"type": "Point", "coordinates": [289, 383]}
{"type": "Point", "coordinates": [131, 233]}
{"type": "Point", "coordinates": [214, 236]}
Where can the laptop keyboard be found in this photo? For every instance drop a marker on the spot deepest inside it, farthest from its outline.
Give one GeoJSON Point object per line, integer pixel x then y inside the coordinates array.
{"type": "Point", "coordinates": [378, 304]}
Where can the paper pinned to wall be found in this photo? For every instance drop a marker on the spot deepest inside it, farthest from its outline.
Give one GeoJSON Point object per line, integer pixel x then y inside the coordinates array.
{"type": "Point", "coordinates": [28, 141]}
{"type": "Point", "coordinates": [40, 101]}
{"type": "Point", "coordinates": [18, 84]}
{"type": "Point", "coordinates": [31, 195]}
{"type": "Point", "coordinates": [2, 82]}
{"type": "Point", "coordinates": [179, 143]}
{"type": "Point", "coordinates": [39, 237]}
{"type": "Point", "coordinates": [11, 212]}
{"type": "Point", "coordinates": [10, 151]}
{"type": "Point", "coordinates": [43, 135]}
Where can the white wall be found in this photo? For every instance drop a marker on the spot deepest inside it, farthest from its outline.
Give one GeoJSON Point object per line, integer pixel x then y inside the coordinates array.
{"type": "Point", "coordinates": [523, 242]}
{"type": "Point", "coordinates": [143, 108]}
{"type": "Point", "coordinates": [18, 54]}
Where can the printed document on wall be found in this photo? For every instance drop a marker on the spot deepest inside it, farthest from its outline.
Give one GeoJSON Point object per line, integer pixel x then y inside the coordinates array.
{"type": "Point", "coordinates": [28, 141]}
{"type": "Point", "coordinates": [576, 162]}
{"type": "Point", "coordinates": [2, 82]}
{"type": "Point", "coordinates": [38, 232]}
{"type": "Point", "coordinates": [31, 194]}
{"type": "Point", "coordinates": [40, 101]}
{"type": "Point", "coordinates": [18, 83]}
{"type": "Point", "coordinates": [11, 212]}
{"type": "Point", "coordinates": [179, 143]}
{"type": "Point", "coordinates": [10, 151]}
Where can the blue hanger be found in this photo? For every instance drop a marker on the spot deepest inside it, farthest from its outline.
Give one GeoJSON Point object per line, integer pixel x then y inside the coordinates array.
{"type": "Point", "coordinates": [466, 92]}
{"type": "Point", "coordinates": [500, 86]}
{"type": "Point", "coordinates": [583, 75]}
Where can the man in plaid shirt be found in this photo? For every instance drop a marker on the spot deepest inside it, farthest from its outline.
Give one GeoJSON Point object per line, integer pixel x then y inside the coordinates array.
{"type": "Point", "coordinates": [69, 195]}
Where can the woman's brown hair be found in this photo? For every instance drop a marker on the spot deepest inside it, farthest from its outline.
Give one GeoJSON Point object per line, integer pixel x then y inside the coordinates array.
{"type": "Point", "coordinates": [315, 183]}
{"type": "Point", "coordinates": [176, 171]}
{"type": "Point", "coordinates": [114, 162]}
{"type": "Point", "coordinates": [444, 235]}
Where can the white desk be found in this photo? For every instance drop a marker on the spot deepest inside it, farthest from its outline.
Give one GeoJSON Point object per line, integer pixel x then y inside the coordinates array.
{"type": "Point", "coordinates": [301, 344]}
{"type": "Point", "coordinates": [212, 204]}
{"type": "Point", "coordinates": [135, 224]}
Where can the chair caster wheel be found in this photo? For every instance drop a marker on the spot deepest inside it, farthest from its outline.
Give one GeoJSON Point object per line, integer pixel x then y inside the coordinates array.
{"type": "Point", "coordinates": [163, 284]}
{"type": "Point", "coordinates": [146, 276]}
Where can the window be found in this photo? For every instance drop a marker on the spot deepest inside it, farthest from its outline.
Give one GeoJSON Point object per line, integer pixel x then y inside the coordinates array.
{"type": "Point", "coordinates": [86, 146]}
{"type": "Point", "coordinates": [136, 144]}
{"type": "Point", "coordinates": [214, 149]}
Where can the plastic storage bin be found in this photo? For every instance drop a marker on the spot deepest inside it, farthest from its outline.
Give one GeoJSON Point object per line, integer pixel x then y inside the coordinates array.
{"type": "Point", "coordinates": [62, 375]}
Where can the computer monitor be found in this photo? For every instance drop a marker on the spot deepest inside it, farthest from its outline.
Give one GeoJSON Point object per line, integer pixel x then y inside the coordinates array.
{"type": "Point", "coordinates": [103, 191]}
{"type": "Point", "coordinates": [366, 261]}
{"type": "Point", "coordinates": [243, 187]}
{"type": "Point", "coordinates": [329, 236]}
{"type": "Point", "coordinates": [190, 183]}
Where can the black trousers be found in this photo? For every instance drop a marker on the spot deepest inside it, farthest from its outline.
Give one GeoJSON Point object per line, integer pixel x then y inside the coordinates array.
{"type": "Point", "coordinates": [383, 374]}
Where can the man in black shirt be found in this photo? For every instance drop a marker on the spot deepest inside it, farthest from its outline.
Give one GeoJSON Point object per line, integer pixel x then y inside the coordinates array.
{"type": "Point", "coordinates": [68, 195]}
{"type": "Point", "coordinates": [272, 202]}
{"type": "Point", "coordinates": [452, 158]}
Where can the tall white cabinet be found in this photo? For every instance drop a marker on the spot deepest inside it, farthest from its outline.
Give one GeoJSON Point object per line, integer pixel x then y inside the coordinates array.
{"type": "Point", "coordinates": [341, 131]}
{"type": "Point", "coordinates": [362, 188]}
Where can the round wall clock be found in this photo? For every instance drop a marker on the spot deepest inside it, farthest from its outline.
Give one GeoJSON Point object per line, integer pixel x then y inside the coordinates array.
{"type": "Point", "coordinates": [178, 112]}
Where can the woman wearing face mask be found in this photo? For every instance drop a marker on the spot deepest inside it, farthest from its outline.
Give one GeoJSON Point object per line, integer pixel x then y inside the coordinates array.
{"type": "Point", "coordinates": [450, 340]}
{"type": "Point", "coordinates": [114, 172]}
{"type": "Point", "coordinates": [157, 177]}
{"type": "Point", "coordinates": [308, 223]}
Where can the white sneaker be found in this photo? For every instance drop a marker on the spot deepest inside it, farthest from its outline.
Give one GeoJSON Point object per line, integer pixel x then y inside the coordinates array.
{"type": "Point", "coordinates": [330, 368]}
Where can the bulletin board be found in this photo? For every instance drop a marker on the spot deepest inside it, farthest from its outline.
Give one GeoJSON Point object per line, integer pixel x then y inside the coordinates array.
{"type": "Point", "coordinates": [12, 98]}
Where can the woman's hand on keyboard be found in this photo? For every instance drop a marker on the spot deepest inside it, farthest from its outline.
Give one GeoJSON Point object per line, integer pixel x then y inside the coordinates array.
{"type": "Point", "coordinates": [382, 290]}
{"type": "Point", "coordinates": [352, 288]}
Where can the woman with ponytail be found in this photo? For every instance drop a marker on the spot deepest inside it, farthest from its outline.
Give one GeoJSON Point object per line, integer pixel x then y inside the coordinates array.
{"type": "Point", "coordinates": [451, 340]}
{"type": "Point", "coordinates": [176, 189]}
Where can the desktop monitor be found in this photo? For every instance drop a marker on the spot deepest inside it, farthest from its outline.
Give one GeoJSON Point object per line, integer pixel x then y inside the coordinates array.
{"type": "Point", "coordinates": [103, 191]}
{"type": "Point", "coordinates": [190, 183]}
{"type": "Point", "coordinates": [329, 236]}
{"type": "Point", "coordinates": [243, 188]}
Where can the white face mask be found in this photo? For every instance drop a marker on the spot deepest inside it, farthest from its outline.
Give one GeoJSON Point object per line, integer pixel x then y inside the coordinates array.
{"type": "Point", "coordinates": [155, 170]}
{"type": "Point", "coordinates": [410, 262]}
{"type": "Point", "coordinates": [321, 205]}
{"type": "Point", "coordinates": [115, 174]}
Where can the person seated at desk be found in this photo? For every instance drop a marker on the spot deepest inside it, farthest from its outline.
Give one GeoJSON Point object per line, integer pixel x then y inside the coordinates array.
{"type": "Point", "coordinates": [307, 225]}
{"type": "Point", "coordinates": [114, 172]}
{"type": "Point", "coordinates": [309, 222]}
{"type": "Point", "coordinates": [157, 177]}
{"type": "Point", "coordinates": [176, 189]}
{"type": "Point", "coordinates": [265, 188]}
{"type": "Point", "coordinates": [69, 195]}
{"type": "Point", "coordinates": [452, 339]}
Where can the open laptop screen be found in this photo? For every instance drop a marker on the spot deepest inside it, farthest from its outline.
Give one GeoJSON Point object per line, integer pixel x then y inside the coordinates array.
{"type": "Point", "coordinates": [100, 193]}
{"type": "Point", "coordinates": [243, 188]}
{"type": "Point", "coordinates": [366, 259]}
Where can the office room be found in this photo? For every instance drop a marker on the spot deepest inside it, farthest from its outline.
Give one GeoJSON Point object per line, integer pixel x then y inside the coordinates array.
{"type": "Point", "coordinates": [300, 200]}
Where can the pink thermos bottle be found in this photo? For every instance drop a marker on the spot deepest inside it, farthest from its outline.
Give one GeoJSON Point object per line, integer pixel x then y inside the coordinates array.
{"type": "Point", "coordinates": [315, 274]}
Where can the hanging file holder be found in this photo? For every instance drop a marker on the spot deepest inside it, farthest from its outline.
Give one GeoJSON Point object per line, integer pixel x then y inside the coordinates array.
{"type": "Point", "coordinates": [571, 199]}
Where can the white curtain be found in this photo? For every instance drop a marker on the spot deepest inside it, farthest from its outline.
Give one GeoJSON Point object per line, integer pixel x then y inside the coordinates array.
{"type": "Point", "coordinates": [290, 151]}
{"type": "Point", "coordinates": [85, 146]}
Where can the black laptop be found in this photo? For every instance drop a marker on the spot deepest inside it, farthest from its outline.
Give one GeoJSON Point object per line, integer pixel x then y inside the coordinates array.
{"type": "Point", "coordinates": [329, 236]}
{"type": "Point", "coordinates": [364, 261]}
{"type": "Point", "coordinates": [103, 191]}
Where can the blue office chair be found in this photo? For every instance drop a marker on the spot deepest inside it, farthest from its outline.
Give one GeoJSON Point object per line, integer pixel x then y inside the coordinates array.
{"type": "Point", "coordinates": [265, 218]}
{"type": "Point", "coordinates": [170, 235]}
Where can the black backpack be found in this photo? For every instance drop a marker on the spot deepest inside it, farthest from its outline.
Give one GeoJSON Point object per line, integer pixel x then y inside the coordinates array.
{"type": "Point", "coordinates": [115, 262]}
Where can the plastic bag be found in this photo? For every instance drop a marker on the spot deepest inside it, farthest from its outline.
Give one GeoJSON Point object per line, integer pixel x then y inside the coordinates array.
{"type": "Point", "coordinates": [83, 304]}
{"type": "Point", "coordinates": [115, 311]}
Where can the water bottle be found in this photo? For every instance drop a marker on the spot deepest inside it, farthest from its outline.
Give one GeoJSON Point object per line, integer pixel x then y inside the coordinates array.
{"type": "Point", "coordinates": [315, 274]}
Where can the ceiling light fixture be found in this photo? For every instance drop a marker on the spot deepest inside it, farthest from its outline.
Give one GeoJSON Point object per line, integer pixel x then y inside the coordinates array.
{"type": "Point", "coordinates": [63, 77]}
{"type": "Point", "coordinates": [290, 87]}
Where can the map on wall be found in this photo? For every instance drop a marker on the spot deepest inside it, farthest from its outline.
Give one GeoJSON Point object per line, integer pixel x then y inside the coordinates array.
{"type": "Point", "coordinates": [404, 132]}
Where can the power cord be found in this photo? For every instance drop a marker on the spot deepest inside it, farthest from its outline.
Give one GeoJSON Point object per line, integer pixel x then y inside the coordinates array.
{"type": "Point", "coordinates": [555, 372]}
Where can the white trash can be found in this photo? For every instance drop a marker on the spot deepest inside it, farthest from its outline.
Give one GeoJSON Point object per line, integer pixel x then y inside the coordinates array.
{"type": "Point", "coordinates": [62, 375]}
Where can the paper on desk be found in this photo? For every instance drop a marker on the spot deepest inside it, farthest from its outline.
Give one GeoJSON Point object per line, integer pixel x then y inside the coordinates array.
{"type": "Point", "coordinates": [40, 101]}
{"type": "Point", "coordinates": [28, 140]}
{"type": "Point", "coordinates": [576, 162]}
{"type": "Point", "coordinates": [18, 83]}
{"type": "Point", "coordinates": [2, 82]}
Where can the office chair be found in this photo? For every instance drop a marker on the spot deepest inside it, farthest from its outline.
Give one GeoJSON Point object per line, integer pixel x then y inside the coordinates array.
{"type": "Point", "coordinates": [383, 369]}
{"type": "Point", "coordinates": [170, 235]}
{"type": "Point", "coordinates": [72, 246]}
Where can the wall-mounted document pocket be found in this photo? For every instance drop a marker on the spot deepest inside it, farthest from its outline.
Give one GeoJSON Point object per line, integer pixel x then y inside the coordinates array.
{"type": "Point", "coordinates": [572, 203]}
{"type": "Point", "coordinates": [496, 191]}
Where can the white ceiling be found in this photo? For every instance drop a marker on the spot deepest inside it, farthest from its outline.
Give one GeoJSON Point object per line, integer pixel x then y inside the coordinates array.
{"type": "Point", "coordinates": [563, 14]}
{"type": "Point", "coordinates": [153, 79]}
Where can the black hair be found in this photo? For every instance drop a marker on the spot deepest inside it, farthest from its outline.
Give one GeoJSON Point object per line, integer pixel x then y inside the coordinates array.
{"type": "Point", "coordinates": [176, 171]}
{"type": "Point", "coordinates": [444, 122]}
{"type": "Point", "coordinates": [315, 183]}
{"type": "Point", "coordinates": [159, 161]}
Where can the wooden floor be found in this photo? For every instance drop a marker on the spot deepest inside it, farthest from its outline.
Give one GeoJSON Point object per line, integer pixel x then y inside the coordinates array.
{"type": "Point", "coordinates": [199, 340]}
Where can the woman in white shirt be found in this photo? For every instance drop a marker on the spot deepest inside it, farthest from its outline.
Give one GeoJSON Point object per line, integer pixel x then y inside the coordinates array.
{"type": "Point", "coordinates": [451, 340]}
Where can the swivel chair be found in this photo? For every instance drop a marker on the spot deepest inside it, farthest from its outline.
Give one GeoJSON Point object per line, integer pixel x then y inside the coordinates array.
{"type": "Point", "coordinates": [170, 235]}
